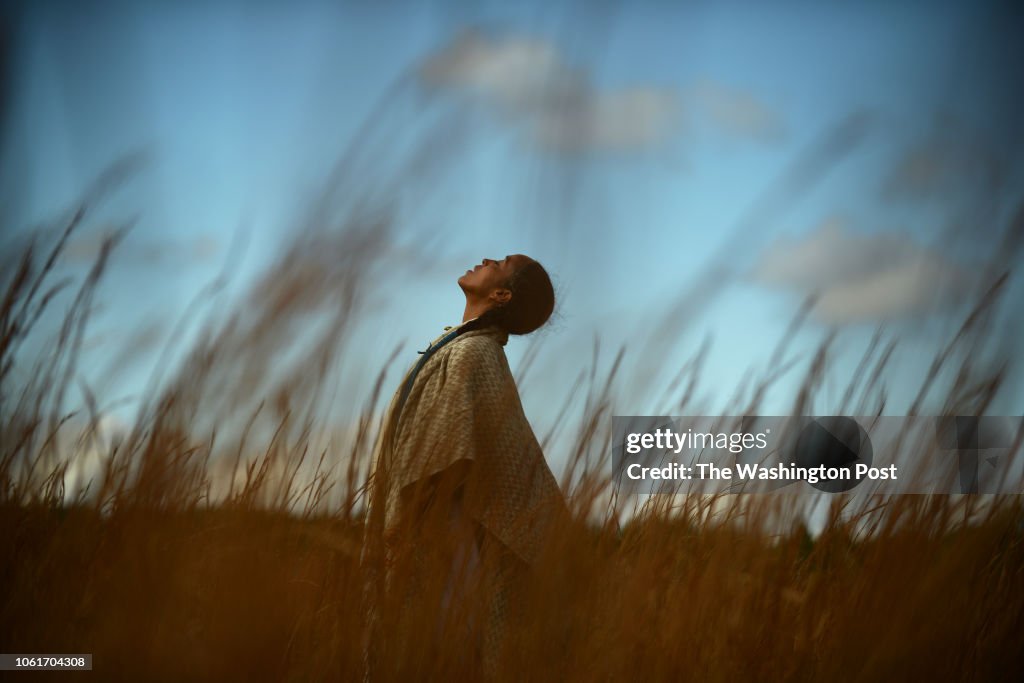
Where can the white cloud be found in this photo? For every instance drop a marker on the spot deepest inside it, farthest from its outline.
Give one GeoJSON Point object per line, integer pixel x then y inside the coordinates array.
{"type": "Point", "coordinates": [950, 159]}
{"type": "Point", "coordinates": [861, 278]}
{"type": "Point", "coordinates": [621, 120]}
{"type": "Point", "coordinates": [738, 112]}
{"type": "Point", "coordinates": [512, 71]}
{"type": "Point", "coordinates": [85, 249]}
{"type": "Point", "coordinates": [529, 83]}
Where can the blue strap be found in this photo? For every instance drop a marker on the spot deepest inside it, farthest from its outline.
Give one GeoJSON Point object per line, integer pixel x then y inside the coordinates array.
{"type": "Point", "coordinates": [424, 356]}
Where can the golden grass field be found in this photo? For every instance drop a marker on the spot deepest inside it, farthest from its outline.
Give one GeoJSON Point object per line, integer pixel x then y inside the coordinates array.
{"type": "Point", "coordinates": [163, 581]}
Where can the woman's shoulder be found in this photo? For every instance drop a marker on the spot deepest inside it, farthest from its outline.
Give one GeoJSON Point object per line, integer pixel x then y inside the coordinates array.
{"type": "Point", "coordinates": [490, 339]}
{"type": "Point", "coordinates": [477, 347]}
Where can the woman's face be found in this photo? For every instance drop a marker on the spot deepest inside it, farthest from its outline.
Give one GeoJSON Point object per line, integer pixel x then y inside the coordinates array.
{"type": "Point", "coordinates": [490, 275]}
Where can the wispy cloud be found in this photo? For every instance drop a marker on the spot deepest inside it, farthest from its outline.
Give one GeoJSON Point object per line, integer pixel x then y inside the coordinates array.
{"type": "Point", "coordinates": [528, 83]}
{"type": "Point", "coordinates": [85, 250]}
{"type": "Point", "coordinates": [949, 159]}
{"type": "Point", "coordinates": [738, 112]}
{"type": "Point", "coordinates": [861, 277]}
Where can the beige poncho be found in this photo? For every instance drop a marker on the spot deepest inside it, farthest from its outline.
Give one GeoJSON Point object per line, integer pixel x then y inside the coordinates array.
{"type": "Point", "coordinates": [464, 406]}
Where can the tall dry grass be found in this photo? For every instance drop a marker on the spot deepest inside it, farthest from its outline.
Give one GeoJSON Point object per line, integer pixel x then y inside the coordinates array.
{"type": "Point", "coordinates": [164, 572]}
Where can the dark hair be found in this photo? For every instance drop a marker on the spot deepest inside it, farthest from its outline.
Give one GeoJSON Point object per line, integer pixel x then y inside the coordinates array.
{"type": "Point", "coordinates": [533, 299]}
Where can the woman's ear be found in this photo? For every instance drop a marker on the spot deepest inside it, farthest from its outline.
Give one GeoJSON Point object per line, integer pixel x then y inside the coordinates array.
{"type": "Point", "coordinates": [500, 296]}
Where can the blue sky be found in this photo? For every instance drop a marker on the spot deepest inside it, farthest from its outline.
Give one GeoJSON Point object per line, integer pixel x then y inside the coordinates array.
{"type": "Point", "coordinates": [629, 148]}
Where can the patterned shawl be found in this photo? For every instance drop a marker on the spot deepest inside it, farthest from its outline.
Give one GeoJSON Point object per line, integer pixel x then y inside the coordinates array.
{"type": "Point", "coordinates": [464, 407]}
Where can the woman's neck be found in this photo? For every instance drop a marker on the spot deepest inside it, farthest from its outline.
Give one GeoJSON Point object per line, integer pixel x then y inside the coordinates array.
{"type": "Point", "coordinates": [475, 309]}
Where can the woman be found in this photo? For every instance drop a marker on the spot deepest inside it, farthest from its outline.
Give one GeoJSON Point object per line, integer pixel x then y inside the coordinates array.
{"type": "Point", "coordinates": [460, 493]}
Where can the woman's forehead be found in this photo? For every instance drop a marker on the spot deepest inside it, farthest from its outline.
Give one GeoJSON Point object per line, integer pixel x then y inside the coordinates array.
{"type": "Point", "coordinates": [518, 259]}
